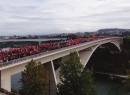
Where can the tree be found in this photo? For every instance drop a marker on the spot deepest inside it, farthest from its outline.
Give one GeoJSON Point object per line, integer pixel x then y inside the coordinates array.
{"type": "Point", "coordinates": [127, 81]}
{"type": "Point", "coordinates": [34, 79]}
{"type": "Point", "coordinates": [75, 80]}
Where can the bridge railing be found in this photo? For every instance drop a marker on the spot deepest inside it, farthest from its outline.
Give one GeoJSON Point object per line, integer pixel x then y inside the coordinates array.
{"type": "Point", "coordinates": [39, 54]}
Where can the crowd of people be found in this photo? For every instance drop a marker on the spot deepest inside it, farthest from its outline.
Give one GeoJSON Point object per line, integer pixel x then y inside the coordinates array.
{"type": "Point", "coordinates": [23, 51]}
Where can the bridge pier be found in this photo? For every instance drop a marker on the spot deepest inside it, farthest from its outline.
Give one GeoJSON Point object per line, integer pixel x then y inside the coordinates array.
{"type": "Point", "coordinates": [83, 54]}
{"type": "Point", "coordinates": [6, 80]}
{"type": "Point", "coordinates": [52, 78]}
{"type": "Point", "coordinates": [64, 58]}
{"type": "Point", "coordinates": [86, 54]}
{"type": "Point", "coordinates": [6, 75]}
{"type": "Point", "coordinates": [117, 44]}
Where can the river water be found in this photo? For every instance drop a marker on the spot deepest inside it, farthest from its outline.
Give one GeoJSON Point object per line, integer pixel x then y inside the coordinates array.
{"type": "Point", "coordinates": [104, 85]}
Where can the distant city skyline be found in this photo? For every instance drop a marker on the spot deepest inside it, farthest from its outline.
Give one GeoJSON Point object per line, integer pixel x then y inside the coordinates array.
{"type": "Point", "coordinates": [41, 17]}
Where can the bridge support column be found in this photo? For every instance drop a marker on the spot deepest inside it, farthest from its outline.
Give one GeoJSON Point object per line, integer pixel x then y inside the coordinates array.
{"type": "Point", "coordinates": [117, 43]}
{"type": "Point", "coordinates": [6, 80]}
{"type": "Point", "coordinates": [52, 78]}
{"type": "Point", "coordinates": [86, 54]}
{"type": "Point", "coordinates": [57, 71]}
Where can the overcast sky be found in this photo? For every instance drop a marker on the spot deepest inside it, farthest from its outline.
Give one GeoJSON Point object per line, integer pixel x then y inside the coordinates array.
{"type": "Point", "coordinates": [24, 17]}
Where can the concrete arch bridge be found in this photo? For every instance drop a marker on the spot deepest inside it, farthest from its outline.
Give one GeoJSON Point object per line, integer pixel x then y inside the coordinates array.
{"type": "Point", "coordinates": [84, 50]}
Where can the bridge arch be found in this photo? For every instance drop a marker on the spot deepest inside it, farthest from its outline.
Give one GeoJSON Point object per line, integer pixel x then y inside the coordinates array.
{"type": "Point", "coordinates": [89, 52]}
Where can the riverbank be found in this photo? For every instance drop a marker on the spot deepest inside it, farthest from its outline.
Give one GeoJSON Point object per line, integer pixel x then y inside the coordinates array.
{"type": "Point", "coordinates": [107, 86]}
{"type": "Point", "coordinates": [113, 76]}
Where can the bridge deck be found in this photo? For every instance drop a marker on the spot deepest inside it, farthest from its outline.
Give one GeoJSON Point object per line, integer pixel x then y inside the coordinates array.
{"type": "Point", "coordinates": [52, 51]}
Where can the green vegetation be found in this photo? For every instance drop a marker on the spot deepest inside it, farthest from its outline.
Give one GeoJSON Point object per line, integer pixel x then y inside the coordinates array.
{"type": "Point", "coordinates": [34, 79]}
{"type": "Point", "coordinates": [127, 81]}
{"type": "Point", "coordinates": [108, 58]}
{"type": "Point", "coordinates": [126, 51]}
{"type": "Point", "coordinates": [128, 37]}
{"type": "Point", "coordinates": [75, 80]}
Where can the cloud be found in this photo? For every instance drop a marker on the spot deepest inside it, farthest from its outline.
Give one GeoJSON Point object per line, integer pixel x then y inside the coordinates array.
{"type": "Point", "coordinates": [24, 17]}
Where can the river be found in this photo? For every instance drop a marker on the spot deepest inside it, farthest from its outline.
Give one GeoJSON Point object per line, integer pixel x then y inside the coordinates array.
{"type": "Point", "coordinates": [104, 85]}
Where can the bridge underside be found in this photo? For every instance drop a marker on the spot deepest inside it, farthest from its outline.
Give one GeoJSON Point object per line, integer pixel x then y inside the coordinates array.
{"type": "Point", "coordinates": [87, 53]}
